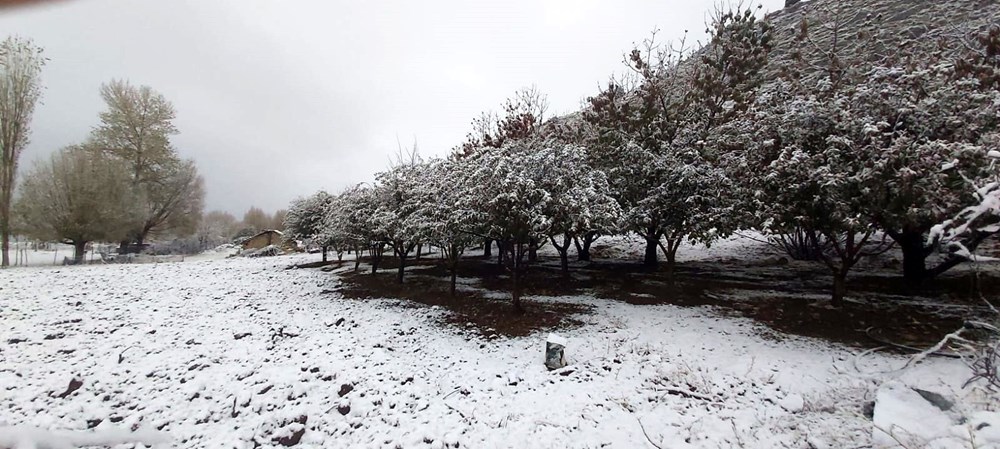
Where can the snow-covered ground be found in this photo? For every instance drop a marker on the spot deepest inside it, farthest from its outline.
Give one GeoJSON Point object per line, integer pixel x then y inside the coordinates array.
{"type": "Point", "coordinates": [244, 353]}
{"type": "Point", "coordinates": [58, 252]}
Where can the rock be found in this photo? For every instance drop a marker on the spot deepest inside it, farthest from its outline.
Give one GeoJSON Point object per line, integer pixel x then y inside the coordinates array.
{"type": "Point", "coordinates": [344, 409]}
{"type": "Point", "coordinates": [792, 403]}
{"type": "Point", "coordinates": [296, 436]}
{"type": "Point", "coordinates": [241, 335]}
{"type": "Point", "coordinates": [868, 409]}
{"type": "Point", "coordinates": [912, 420]}
{"type": "Point", "coordinates": [344, 389]}
{"type": "Point", "coordinates": [555, 356]}
{"type": "Point", "coordinates": [936, 399]}
{"type": "Point", "coordinates": [74, 384]}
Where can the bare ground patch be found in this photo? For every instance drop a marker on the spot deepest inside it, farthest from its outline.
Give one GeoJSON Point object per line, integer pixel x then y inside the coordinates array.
{"type": "Point", "coordinates": [790, 299]}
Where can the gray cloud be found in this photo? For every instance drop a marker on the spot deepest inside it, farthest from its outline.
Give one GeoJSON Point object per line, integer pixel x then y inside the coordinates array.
{"type": "Point", "coordinates": [279, 99]}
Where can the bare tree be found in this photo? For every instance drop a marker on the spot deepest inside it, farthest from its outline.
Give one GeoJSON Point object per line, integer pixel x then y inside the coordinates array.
{"type": "Point", "coordinates": [216, 227]}
{"type": "Point", "coordinates": [20, 88]}
{"type": "Point", "coordinates": [174, 203]}
{"type": "Point", "coordinates": [77, 197]}
{"type": "Point", "coordinates": [278, 219]}
{"type": "Point", "coordinates": [256, 219]}
{"type": "Point", "coordinates": [522, 116]}
{"type": "Point", "coordinates": [136, 128]}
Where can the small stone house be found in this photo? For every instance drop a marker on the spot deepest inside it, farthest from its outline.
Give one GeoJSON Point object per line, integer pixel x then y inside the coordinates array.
{"type": "Point", "coordinates": [264, 239]}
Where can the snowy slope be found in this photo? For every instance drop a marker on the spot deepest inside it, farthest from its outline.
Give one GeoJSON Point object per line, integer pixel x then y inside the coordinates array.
{"type": "Point", "coordinates": [240, 352]}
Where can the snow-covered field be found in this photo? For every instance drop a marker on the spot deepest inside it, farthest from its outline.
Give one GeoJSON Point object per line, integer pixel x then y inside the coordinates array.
{"type": "Point", "coordinates": [243, 353]}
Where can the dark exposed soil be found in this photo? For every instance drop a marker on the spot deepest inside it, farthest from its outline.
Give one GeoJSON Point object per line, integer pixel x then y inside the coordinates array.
{"type": "Point", "coordinates": [469, 309]}
{"type": "Point", "coordinates": [790, 299]}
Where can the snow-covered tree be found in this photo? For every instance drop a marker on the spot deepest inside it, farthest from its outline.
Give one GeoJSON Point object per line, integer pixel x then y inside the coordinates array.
{"type": "Point", "coordinates": [77, 197]}
{"type": "Point", "coordinates": [935, 120]}
{"type": "Point", "coordinates": [511, 203]}
{"type": "Point", "coordinates": [21, 64]}
{"type": "Point", "coordinates": [808, 141]}
{"type": "Point", "coordinates": [819, 180]}
{"type": "Point", "coordinates": [522, 116]}
{"type": "Point", "coordinates": [580, 204]}
{"type": "Point", "coordinates": [632, 128]}
{"type": "Point", "coordinates": [351, 220]}
{"type": "Point", "coordinates": [334, 229]}
{"type": "Point", "coordinates": [444, 215]}
{"type": "Point", "coordinates": [135, 128]}
{"type": "Point", "coordinates": [869, 143]}
{"type": "Point", "coordinates": [396, 219]}
{"type": "Point", "coordinates": [304, 221]}
{"type": "Point", "coordinates": [979, 68]}
{"type": "Point", "coordinates": [651, 138]}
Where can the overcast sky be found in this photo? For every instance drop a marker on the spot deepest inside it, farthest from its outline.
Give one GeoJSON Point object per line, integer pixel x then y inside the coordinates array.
{"type": "Point", "coordinates": [278, 99]}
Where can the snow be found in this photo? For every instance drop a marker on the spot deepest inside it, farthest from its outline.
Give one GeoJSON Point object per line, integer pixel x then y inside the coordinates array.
{"type": "Point", "coordinates": [903, 418]}
{"type": "Point", "coordinates": [902, 415]}
{"type": "Point", "coordinates": [557, 339]}
{"type": "Point", "coordinates": [27, 437]}
{"type": "Point", "coordinates": [240, 352]}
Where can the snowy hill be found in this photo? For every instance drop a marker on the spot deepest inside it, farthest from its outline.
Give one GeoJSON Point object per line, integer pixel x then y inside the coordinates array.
{"type": "Point", "coordinates": [904, 24]}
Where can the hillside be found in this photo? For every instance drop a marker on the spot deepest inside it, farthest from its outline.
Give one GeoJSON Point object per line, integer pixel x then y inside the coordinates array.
{"type": "Point", "coordinates": [918, 25]}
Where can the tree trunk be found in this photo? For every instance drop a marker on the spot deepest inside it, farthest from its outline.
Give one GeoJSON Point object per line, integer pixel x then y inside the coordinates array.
{"type": "Point", "coordinates": [671, 260]}
{"type": "Point", "coordinates": [488, 248]}
{"type": "Point", "coordinates": [652, 243]}
{"type": "Point", "coordinates": [454, 280]}
{"type": "Point", "coordinates": [79, 251]}
{"type": "Point", "coordinates": [670, 252]}
{"type": "Point", "coordinates": [5, 237]}
{"type": "Point", "coordinates": [563, 252]}
{"type": "Point", "coordinates": [914, 255]}
{"type": "Point", "coordinates": [376, 255]}
{"type": "Point", "coordinates": [839, 289]}
{"type": "Point", "coordinates": [357, 259]}
{"type": "Point", "coordinates": [501, 251]}
{"type": "Point", "coordinates": [6, 195]}
{"type": "Point", "coordinates": [533, 251]}
{"type": "Point", "coordinates": [402, 267]}
{"type": "Point", "coordinates": [420, 248]}
{"type": "Point", "coordinates": [324, 253]}
{"type": "Point", "coordinates": [5, 224]}
{"type": "Point", "coordinates": [516, 290]}
{"type": "Point", "coordinates": [583, 249]}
